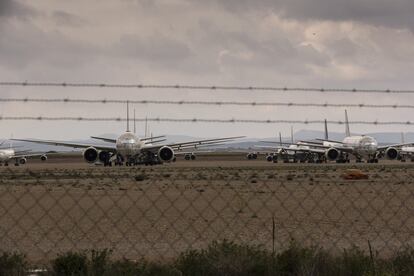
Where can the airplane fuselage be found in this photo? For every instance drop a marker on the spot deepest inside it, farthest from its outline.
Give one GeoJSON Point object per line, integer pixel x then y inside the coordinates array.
{"type": "Point", "coordinates": [6, 154]}
{"type": "Point", "coordinates": [362, 145]}
{"type": "Point", "coordinates": [129, 145]}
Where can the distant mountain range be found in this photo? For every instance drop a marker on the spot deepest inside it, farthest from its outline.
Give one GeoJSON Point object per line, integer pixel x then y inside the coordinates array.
{"type": "Point", "coordinates": [245, 143]}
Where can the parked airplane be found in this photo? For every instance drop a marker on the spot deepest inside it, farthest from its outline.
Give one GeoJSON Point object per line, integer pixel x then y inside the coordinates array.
{"type": "Point", "coordinates": [130, 149]}
{"type": "Point", "coordinates": [360, 146]}
{"type": "Point", "coordinates": [10, 154]}
{"type": "Point", "coordinates": [288, 152]}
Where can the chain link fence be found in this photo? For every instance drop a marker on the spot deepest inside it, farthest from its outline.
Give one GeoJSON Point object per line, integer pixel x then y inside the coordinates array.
{"type": "Point", "coordinates": [160, 212]}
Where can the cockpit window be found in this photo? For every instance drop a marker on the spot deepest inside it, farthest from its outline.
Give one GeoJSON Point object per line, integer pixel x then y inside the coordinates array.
{"type": "Point", "coordinates": [368, 141]}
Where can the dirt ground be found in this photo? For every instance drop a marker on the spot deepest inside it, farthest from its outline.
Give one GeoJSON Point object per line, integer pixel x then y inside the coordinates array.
{"type": "Point", "coordinates": [157, 212]}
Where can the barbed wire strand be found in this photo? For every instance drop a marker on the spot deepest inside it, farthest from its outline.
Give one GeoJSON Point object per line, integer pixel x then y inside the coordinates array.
{"type": "Point", "coordinates": [198, 120]}
{"type": "Point", "coordinates": [217, 103]}
{"type": "Point", "coordinates": [204, 87]}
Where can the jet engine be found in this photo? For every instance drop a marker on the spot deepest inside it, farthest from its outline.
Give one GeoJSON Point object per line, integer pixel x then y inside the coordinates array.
{"type": "Point", "coordinates": [269, 158]}
{"type": "Point", "coordinates": [43, 157]}
{"type": "Point", "coordinates": [166, 154]}
{"type": "Point", "coordinates": [391, 153]}
{"type": "Point", "coordinates": [91, 155]}
{"type": "Point", "coordinates": [104, 156]}
{"type": "Point", "coordinates": [332, 154]}
{"type": "Point", "coordinates": [22, 161]}
{"type": "Point", "coordinates": [252, 155]}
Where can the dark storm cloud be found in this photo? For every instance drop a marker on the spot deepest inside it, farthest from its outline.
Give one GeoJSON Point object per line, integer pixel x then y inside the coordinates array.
{"type": "Point", "coordinates": [63, 18]}
{"type": "Point", "coordinates": [157, 51]}
{"type": "Point", "coordinates": [248, 50]}
{"type": "Point", "coordinates": [24, 46]}
{"type": "Point", "coordinates": [386, 13]}
{"type": "Point", "coordinates": [13, 8]}
{"type": "Point", "coordinates": [394, 14]}
{"type": "Point", "coordinates": [155, 47]}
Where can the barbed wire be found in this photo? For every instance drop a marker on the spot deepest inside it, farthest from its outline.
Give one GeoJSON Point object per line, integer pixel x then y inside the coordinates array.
{"type": "Point", "coordinates": [217, 103]}
{"type": "Point", "coordinates": [197, 120]}
{"type": "Point", "coordinates": [205, 87]}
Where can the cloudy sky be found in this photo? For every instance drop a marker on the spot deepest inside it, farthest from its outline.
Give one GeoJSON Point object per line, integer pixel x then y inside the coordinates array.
{"type": "Point", "coordinates": [292, 43]}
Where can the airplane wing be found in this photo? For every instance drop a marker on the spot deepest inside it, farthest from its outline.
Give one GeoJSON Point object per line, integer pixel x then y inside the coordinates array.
{"type": "Point", "coordinates": [109, 140]}
{"type": "Point", "coordinates": [180, 153]}
{"type": "Point", "coordinates": [14, 147]}
{"type": "Point", "coordinates": [152, 138]}
{"type": "Point", "coordinates": [278, 143]}
{"type": "Point", "coordinates": [330, 141]}
{"type": "Point", "coordinates": [394, 146]}
{"type": "Point", "coordinates": [110, 148]}
{"type": "Point", "coordinates": [27, 155]}
{"type": "Point", "coordinates": [146, 139]}
{"type": "Point", "coordinates": [154, 141]}
{"type": "Point", "coordinates": [319, 146]}
{"type": "Point", "coordinates": [191, 144]}
{"type": "Point", "coordinates": [311, 150]}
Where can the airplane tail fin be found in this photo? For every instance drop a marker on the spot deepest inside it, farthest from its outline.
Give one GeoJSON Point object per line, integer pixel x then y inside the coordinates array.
{"type": "Point", "coordinates": [135, 123]}
{"type": "Point", "coordinates": [280, 139]}
{"type": "Point", "coordinates": [347, 131]}
{"type": "Point", "coordinates": [326, 130]}
{"type": "Point", "coordinates": [146, 127]}
{"type": "Point", "coordinates": [291, 134]}
{"type": "Point", "coordinates": [127, 116]}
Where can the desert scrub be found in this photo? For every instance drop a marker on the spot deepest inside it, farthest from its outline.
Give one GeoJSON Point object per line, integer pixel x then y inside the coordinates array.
{"type": "Point", "coordinates": [13, 264]}
{"type": "Point", "coordinates": [224, 258]}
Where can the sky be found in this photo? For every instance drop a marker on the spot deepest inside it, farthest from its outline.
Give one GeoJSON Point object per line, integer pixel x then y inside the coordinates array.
{"type": "Point", "coordinates": [295, 43]}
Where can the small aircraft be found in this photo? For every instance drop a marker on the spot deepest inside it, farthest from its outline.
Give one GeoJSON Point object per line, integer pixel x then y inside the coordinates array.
{"type": "Point", "coordinates": [130, 150]}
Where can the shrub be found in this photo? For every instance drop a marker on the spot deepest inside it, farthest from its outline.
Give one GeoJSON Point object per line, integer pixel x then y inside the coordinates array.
{"type": "Point", "coordinates": [127, 268]}
{"type": "Point", "coordinates": [99, 262]}
{"type": "Point", "coordinates": [71, 264]}
{"type": "Point", "coordinates": [403, 262]}
{"type": "Point", "coordinates": [225, 258]}
{"type": "Point", "coordinates": [354, 262]}
{"type": "Point", "coordinates": [12, 264]}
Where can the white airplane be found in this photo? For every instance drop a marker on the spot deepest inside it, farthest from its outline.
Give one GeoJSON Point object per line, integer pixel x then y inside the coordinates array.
{"type": "Point", "coordinates": [291, 151]}
{"type": "Point", "coordinates": [361, 146]}
{"type": "Point", "coordinates": [130, 149]}
{"type": "Point", "coordinates": [9, 154]}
